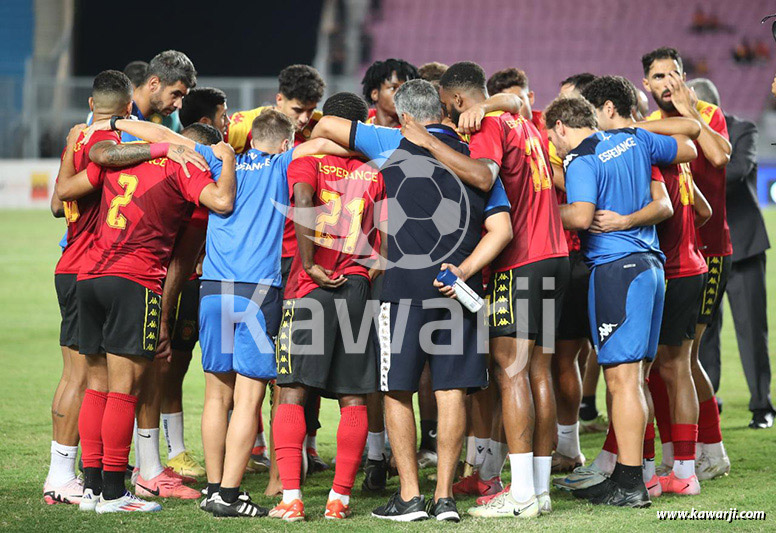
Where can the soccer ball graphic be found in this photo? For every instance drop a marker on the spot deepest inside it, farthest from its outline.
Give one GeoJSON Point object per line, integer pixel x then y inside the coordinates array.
{"type": "Point", "coordinates": [440, 217]}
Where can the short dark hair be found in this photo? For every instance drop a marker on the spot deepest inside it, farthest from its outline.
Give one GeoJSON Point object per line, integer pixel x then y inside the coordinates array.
{"type": "Point", "coordinates": [202, 133]}
{"type": "Point", "coordinates": [432, 71]}
{"type": "Point", "coordinates": [273, 126]}
{"type": "Point", "coordinates": [136, 72]}
{"type": "Point", "coordinates": [579, 81]}
{"type": "Point", "coordinates": [506, 78]}
{"type": "Point", "coordinates": [301, 82]}
{"type": "Point", "coordinates": [664, 52]}
{"type": "Point", "coordinates": [111, 90]}
{"type": "Point", "coordinates": [201, 102]}
{"type": "Point", "coordinates": [381, 71]}
{"type": "Point", "coordinates": [172, 66]}
{"type": "Point", "coordinates": [573, 112]}
{"type": "Point", "coordinates": [346, 105]}
{"type": "Point", "coordinates": [614, 89]}
{"type": "Point", "coordinates": [464, 75]}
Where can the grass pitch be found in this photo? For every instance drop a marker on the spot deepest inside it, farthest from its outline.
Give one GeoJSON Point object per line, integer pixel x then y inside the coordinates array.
{"type": "Point", "coordinates": [31, 365]}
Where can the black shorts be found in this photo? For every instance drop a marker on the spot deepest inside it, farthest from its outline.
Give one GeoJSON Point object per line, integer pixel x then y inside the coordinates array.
{"type": "Point", "coordinates": [185, 326]}
{"type": "Point", "coordinates": [118, 316]}
{"type": "Point", "coordinates": [574, 321]}
{"type": "Point", "coordinates": [517, 299]}
{"type": "Point", "coordinates": [719, 271]}
{"type": "Point", "coordinates": [681, 308]}
{"type": "Point", "coordinates": [68, 309]}
{"type": "Point", "coordinates": [455, 348]}
{"type": "Point", "coordinates": [313, 350]}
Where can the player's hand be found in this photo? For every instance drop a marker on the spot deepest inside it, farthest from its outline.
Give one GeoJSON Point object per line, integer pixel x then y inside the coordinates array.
{"type": "Point", "coordinates": [163, 349]}
{"type": "Point", "coordinates": [773, 86]}
{"type": "Point", "coordinates": [470, 120]}
{"type": "Point", "coordinates": [73, 134]}
{"type": "Point", "coordinates": [608, 221]}
{"type": "Point", "coordinates": [374, 272]}
{"type": "Point", "coordinates": [100, 125]}
{"type": "Point", "coordinates": [182, 155]}
{"type": "Point", "coordinates": [415, 133]}
{"type": "Point", "coordinates": [322, 276]}
{"type": "Point", "coordinates": [683, 98]}
{"type": "Point", "coordinates": [223, 150]}
{"type": "Point", "coordinates": [448, 290]}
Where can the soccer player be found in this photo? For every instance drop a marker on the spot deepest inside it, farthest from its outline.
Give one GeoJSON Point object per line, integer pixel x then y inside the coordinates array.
{"type": "Point", "coordinates": [685, 272]}
{"type": "Point", "coordinates": [574, 85]}
{"type": "Point", "coordinates": [119, 293]}
{"type": "Point", "coordinates": [169, 77]}
{"type": "Point", "coordinates": [664, 79]}
{"type": "Point", "coordinates": [208, 106]}
{"type": "Point", "coordinates": [510, 146]}
{"type": "Point", "coordinates": [410, 294]}
{"type": "Point", "coordinates": [611, 171]}
{"type": "Point", "coordinates": [136, 72]}
{"type": "Point", "coordinates": [381, 81]}
{"type": "Point", "coordinates": [334, 200]}
{"type": "Point", "coordinates": [111, 96]}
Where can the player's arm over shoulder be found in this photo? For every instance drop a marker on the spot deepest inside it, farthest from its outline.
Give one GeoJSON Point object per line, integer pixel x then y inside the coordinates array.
{"type": "Point", "coordinates": [581, 194]}
{"type": "Point", "coordinates": [216, 196]}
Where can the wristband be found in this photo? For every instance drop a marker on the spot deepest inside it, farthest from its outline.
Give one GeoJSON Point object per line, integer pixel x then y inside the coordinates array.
{"type": "Point", "coordinates": [159, 149]}
{"type": "Point", "coordinates": [113, 120]}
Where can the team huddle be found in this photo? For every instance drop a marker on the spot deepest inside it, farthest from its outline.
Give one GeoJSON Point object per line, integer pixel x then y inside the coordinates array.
{"type": "Point", "coordinates": [436, 236]}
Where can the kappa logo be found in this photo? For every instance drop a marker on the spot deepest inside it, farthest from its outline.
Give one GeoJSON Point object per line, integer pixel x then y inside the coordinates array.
{"type": "Point", "coordinates": [604, 330]}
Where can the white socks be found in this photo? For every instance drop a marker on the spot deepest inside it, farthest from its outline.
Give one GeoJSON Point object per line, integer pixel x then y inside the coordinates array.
{"type": "Point", "coordinates": [522, 476]}
{"type": "Point", "coordinates": [684, 469]}
{"type": "Point", "coordinates": [291, 495]}
{"type": "Point", "coordinates": [716, 449]}
{"type": "Point", "coordinates": [542, 466]}
{"type": "Point", "coordinates": [311, 442]}
{"type": "Point", "coordinates": [344, 498]}
{"type": "Point", "coordinates": [568, 440]}
{"type": "Point", "coordinates": [471, 450]}
{"type": "Point", "coordinates": [260, 442]}
{"type": "Point", "coordinates": [376, 444]}
{"type": "Point", "coordinates": [147, 451]}
{"type": "Point", "coordinates": [605, 461]}
{"type": "Point", "coordinates": [494, 460]}
{"type": "Point", "coordinates": [668, 453]}
{"type": "Point", "coordinates": [481, 448]}
{"type": "Point", "coordinates": [62, 467]}
{"type": "Point", "coordinates": [647, 469]}
{"type": "Point", "coordinates": [172, 423]}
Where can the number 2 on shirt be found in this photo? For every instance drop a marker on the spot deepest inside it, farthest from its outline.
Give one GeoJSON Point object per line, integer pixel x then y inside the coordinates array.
{"type": "Point", "coordinates": [115, 219]}
{"type": "Point", "coordinates": [356, 209]}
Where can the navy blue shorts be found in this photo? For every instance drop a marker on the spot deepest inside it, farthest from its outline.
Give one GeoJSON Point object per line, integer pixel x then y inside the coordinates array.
{"type": "Point", "coordinates": [625, 304]}
{"type": "Point", "coordinates": [455, 348]}
{"type": "Point", "coordinates": [236, 329]}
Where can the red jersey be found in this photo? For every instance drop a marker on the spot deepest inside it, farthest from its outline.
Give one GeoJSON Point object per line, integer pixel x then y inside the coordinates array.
{"type": "Point", "coordinates": [346, 190]}
{"type": "Point", "coordinates": [141, 210]}
{"type": "Point", "coordinates": [81, 215]}
{"type": "Point", "coordinates": [515, 145]}
{"type": "Point", "coordinates": [677, 234]}
{"type": "Point", "coordinates": [714, 235]}
{"type": "Point", "coordinates": [198, 219]}
{"type": "Point", "coordinates": [537, 118]}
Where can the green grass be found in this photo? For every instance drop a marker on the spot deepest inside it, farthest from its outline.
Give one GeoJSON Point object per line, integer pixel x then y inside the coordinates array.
{"type": "Point", "coordinates": [31, 364]}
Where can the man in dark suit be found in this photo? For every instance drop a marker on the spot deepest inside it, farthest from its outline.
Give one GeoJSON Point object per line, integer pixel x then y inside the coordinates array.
{"type": "Point", "coordinates": [746, 285]}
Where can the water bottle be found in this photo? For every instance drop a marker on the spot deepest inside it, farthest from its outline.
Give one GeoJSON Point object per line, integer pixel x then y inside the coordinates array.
{"type": "Point", "coordinates": [463, 293]}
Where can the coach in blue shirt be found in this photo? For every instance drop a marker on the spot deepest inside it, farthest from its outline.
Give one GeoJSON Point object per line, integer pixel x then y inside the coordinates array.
{"type": "Point", "coordinates": [611, 170]}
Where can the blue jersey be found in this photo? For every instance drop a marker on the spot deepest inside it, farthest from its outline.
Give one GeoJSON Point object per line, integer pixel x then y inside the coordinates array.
{"type": "Point", "coordinates": [244, 246]}
{"type": "Point", "coordinates": [433, 217]}
{"type": "Point", "coordinates": [613, 170]}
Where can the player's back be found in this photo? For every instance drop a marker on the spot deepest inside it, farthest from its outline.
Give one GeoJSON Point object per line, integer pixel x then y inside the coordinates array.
{"type": "Point", "coordinates": [244, 246]}
{"type": "Point", "coordinates": [516, 146]}
{"type": "Point", "coordinates": [142, 208]}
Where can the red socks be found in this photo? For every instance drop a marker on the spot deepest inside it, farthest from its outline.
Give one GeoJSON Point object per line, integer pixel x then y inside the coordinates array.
{"type": "Point", "coordinates": [649, 441]}
{"type": "Point", "coordinates": [351, 439]}
{"type": "Point", "coordinates": [610, 444]}
{"type": "Point", "coordinates": [709, 431]}
{"type": "Point", "coordinates": [685, 436]}
{"type": "Point", "coordinates": [289, 430]}
{"type": "Point", "coordinates": [657, 388]}
{"type": "Point", "coordinates": [90, 427]}
{"type": "Point", "coordinates": [118, 424]}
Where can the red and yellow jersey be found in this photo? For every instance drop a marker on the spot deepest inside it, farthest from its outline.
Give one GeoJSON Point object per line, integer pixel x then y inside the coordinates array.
{"type": "Point", "coordinates": [81, 215]}
{"type": "Point", "coordinates": [714, 236]}
{"type": "Point", "coordinates": [515, 145]}
{"type": "Point", "coordinates": [238, 133]}
{"type": "Point", "coordinates": [677, 234]}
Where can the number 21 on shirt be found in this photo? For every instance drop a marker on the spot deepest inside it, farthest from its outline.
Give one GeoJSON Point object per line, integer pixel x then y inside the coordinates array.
{"type": "Point", "coordinates": [115, 219]}
{"type": "Point", "coordinates": [540, 174]}
{"type": "Point", "coordinates": [356, 209]}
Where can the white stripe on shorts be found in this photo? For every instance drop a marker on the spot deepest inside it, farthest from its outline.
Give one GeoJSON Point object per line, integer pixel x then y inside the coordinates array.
{"type": "Point", "coordinates": [384, 335]}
